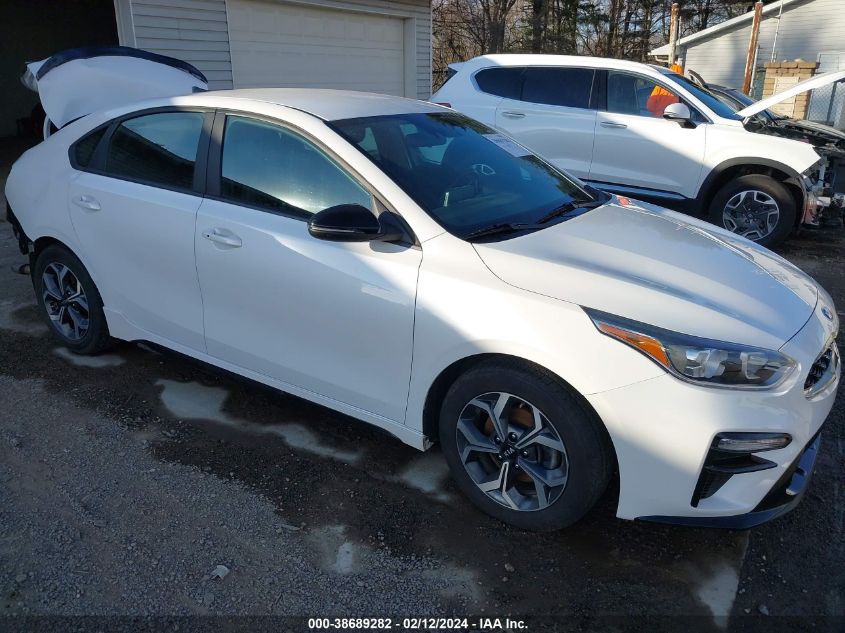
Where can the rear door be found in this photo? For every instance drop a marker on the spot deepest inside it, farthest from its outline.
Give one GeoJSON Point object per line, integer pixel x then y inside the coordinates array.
{"type": "Point", "coordinates": [133, 204]}
{"type": "Point", "coordinates": [636, 146]}
{"type": "Point", "coordinates": [554, 116]}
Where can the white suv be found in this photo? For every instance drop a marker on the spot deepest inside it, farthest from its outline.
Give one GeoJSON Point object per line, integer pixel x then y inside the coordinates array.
{"type": "Point", "coordinates": [643, 131]}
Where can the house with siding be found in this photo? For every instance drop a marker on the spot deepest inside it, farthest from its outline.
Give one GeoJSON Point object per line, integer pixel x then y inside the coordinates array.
{"type": "Point", "coordinates": [371, 45]}
{"type": "Point", "coordinates": [812, 30]}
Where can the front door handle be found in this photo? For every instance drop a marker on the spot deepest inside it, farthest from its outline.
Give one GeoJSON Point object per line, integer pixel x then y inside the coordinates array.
{"type": "Point", "coordinates": [86, 202]}
{"type": "Point", "coordinates": [513, 115]}
{"type": "Point", "coordinates": [612, 124]}
{"type": "Point", "coordinates": [224, 237]}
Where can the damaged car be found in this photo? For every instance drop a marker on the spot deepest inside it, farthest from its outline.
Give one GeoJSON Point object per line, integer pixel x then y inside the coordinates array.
{"type": "Point", "coordinates": [420, 271]}
{"type": "Point", "coordinates": [827, 179]}
{"type": "Point", "coordinates": [649, 133]}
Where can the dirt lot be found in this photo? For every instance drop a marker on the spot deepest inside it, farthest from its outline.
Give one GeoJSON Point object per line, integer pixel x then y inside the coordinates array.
{"type": "Point", "coordinates": [127, 478]}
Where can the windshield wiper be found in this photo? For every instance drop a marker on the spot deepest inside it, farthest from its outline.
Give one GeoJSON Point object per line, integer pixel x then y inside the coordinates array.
{"type": "Point", "coordinates": [501, 228]}
{"type": "Point", "coordinates": [569, 207]}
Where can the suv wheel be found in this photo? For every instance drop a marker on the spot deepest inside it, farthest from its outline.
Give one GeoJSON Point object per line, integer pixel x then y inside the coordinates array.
{"type": "Point", "coordinates": [522, 447]}
{"type": "Point", "coordinates": [69, 301]}
{"type": "Point", "coordinates": [755, 206]}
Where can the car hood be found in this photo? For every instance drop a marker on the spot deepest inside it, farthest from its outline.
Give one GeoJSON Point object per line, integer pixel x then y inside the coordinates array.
{"type": "Point", "coordinates": [656, 266]}
{"type": "Point", "coordinates": [79, 81]}
{"type": "Point", "coordinates": [810, 84]}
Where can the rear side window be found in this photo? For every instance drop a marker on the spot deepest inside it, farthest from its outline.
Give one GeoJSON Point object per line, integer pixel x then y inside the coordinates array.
{"type": "Point", "coordinates": [158, 149]}
{"type": "Point", "coordinates": [83, 150]}
{"type": "Point", "coordinates": [502, 82]}
{"type": "Point", "coordinates": [570, 87]}
{"type": "Point", "coordinates": [266, 166]}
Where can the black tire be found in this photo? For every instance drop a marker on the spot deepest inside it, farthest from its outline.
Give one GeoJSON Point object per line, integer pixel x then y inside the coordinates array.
{"type": "Point", "coordinates": [589, 453]}
{"type": "Point", "coordinates": [767, 185]}
{"type": "Point", "coordinates": [96, 337]}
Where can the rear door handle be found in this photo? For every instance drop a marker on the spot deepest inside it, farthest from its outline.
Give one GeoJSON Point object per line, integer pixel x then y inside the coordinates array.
{"type": "Point", "coordinates": [513, 115]}
{"type": "Point", "coordinates": [224, 237]}
{"type": "Point", "coordinates": [86, 202]}
{"type": "Point", "coordinates": [611, 124]}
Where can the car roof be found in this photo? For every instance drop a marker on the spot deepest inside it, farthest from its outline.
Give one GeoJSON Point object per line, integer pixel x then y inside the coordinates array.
{"type": "Point", "coordinates": [326, 104]}
{"type": "Point", "coordinates": [535, 59]}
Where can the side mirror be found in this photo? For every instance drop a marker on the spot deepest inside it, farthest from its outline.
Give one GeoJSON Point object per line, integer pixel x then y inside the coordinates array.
{"type": "Point", "coordinates": [678, 112]}
{"type": "Point", "coordinates": [353, 223]}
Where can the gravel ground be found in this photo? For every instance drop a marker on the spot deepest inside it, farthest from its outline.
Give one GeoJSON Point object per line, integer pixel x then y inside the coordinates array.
{"type": "Point", "coordinates": [126, 479]}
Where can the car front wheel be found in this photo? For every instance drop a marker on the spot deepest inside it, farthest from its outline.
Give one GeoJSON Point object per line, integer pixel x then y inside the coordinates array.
{"type": "Point", "coordinates": [69, 301]}
{"type": "Point", "coordinates": [522, 447]}
{"type": "Point", "coordinates": [756, 207]}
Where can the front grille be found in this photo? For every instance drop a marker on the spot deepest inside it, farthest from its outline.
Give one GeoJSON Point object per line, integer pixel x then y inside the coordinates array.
{"type": "Point", "coordinates": [822, 372]}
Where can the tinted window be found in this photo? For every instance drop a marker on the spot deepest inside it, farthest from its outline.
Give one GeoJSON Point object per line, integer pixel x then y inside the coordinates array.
{"type": "Point", "coordinates": [569, 87]}
{"type": "Point", "coordinates": [85, 147]}
{"type": "Point", "coordinates": [157, 148]}
{"type": "Point", "coordinates": [638, 95]}
{"type": "Point", "coordinates": [461, 172]}
{"type": "Point", "coordinates": [502, 82]}
{"type": "Point", "coordinates": [265, 165]}
{"type": "Point", "coordinates": [703, 95]}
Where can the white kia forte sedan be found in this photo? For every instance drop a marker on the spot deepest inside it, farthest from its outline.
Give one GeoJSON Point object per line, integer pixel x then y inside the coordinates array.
{"type": "Point", "coordinates": [413, 268]}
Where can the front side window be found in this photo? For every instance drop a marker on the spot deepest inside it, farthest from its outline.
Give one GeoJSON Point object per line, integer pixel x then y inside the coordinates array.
{"type": "Point", "coordinates": [637, 95]}
{"type": "Point", "coordinates": [267, 166]}
{"type": "Point", "coordinates": [464, 174]}
{"type": "Point", "coordinates": [570, 87]}
{"type": "Point", "coordinates": [702, 94]}
{"type": "Point", "coordinates": [159, 149]}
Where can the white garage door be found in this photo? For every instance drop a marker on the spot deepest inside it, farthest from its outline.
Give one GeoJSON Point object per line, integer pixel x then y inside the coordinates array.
{"type": "Point", "coordinates": [274, 44]}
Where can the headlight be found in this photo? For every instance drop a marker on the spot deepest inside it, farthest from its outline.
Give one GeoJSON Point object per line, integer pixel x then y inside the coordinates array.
{"type": "Point", "coordinates": [698, 360]}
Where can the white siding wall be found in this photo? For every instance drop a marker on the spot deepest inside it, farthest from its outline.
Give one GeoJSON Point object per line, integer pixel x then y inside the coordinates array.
{"type": "Point", "coordinates": [193, 30]}
{"type": "Point", "coordinates": [806, 29]}
{"type": "Point", "coordinates": [196, 31]}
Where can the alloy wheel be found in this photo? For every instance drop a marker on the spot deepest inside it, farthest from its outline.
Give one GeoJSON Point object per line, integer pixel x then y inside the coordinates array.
{"type": "Point", "coordinates": [65, 301]}
{"type": "Point", "coordinates": [511, 451]}
{"type": "Point", "coordinates": [752, 214]}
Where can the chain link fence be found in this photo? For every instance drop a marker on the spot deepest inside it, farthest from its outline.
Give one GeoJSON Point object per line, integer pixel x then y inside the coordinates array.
{"type": "Point", "coordinates": [827, 103]}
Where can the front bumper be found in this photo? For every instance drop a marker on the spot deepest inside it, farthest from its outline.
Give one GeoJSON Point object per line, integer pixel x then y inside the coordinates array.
{"type": "Point", "coordinates": [786, 494]}
{"type": "Point", "coordinates": [663, 429]}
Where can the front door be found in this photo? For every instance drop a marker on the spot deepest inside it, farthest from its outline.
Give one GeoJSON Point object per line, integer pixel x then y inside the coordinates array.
{"type": "Point", "coordinates": [335, 319]}
{"type": "Point", "coordinates": [636, 146]}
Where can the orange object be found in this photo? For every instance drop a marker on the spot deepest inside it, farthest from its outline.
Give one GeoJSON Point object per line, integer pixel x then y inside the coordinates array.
{"type": "Point", "coordinates": [660, 97]}
{"type": "Point", "coordinates": [642, 342]}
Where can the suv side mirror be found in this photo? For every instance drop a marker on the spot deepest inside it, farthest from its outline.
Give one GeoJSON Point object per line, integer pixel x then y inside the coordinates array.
{"type": "Point", "coordinates": [353, 223]}
{"type": "Point", "coordinates": [678, 112]}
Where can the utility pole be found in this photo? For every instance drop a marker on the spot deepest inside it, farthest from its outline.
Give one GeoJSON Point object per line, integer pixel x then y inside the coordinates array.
{"type": "Point", "coordinates": [751, 57]}
{"type": "Point", "coordinates": [674, 32]}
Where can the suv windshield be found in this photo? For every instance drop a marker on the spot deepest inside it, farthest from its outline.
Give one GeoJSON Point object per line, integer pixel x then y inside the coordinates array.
{"type": "Point", "coordinates": [467, 176]}
{"type": "Point", "coordinates": [702, 94]}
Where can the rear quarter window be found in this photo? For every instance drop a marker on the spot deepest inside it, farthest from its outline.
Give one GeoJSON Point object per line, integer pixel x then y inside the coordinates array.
{"type": "Point", "coordinates": [501, 82]}
{"type": "Point", "coordinates": [83, 150]}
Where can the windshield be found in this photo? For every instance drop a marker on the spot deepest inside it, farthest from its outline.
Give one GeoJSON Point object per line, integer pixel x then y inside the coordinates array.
{"type": "Point", "coordinates": [705, 96]}
{"type": "Point", "coordinates": [465, 175]}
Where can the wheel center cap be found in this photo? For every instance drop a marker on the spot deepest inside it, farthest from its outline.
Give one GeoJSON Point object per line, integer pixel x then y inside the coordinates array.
{"type": "Point", "coordinates": [508, 451]}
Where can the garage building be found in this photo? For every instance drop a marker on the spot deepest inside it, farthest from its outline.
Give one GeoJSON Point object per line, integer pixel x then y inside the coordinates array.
{"type": "Point", "coordinates": [373, 45]}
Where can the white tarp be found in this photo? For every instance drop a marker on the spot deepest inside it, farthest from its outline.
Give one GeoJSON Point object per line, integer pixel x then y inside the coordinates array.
{"type": "Point", "coordinates": [76, 85]}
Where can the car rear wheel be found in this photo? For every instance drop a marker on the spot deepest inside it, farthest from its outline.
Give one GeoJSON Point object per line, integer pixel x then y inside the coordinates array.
{"type": "Point", "coordinates": [522, 447]}
{"type": "Point", "coordinates": [756, 207]}
{"type": "Point", "coordinates": [69, 301]}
